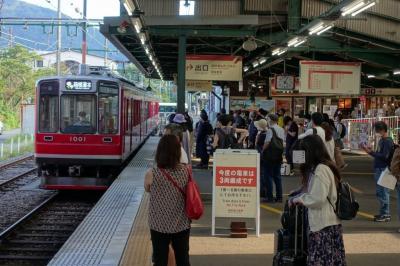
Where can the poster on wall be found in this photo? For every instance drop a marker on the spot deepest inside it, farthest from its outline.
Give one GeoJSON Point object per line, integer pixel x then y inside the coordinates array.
{"type": "Point", "coordinates": [214, 67]}
{"type": "Point", "coordinates": [329, 77]}
{"type": "Point", "coordinates": [245, 104]}
{"type": "Point", "coordinates": [284, 103]}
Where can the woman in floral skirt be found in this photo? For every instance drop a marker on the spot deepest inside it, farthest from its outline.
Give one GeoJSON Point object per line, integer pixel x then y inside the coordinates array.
{"type": "Point", "coordinates": [320, 178]}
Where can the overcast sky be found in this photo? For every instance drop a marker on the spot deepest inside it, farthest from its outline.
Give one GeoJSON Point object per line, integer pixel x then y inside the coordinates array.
{"type": "Point", "coordinates": [96, 8]}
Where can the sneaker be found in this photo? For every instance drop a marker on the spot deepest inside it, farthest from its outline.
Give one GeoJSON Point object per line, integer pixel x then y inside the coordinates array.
{"type": "Point", "coordinates": [382, 218]}
{"type": "Point", "coordinates": [291, 173]}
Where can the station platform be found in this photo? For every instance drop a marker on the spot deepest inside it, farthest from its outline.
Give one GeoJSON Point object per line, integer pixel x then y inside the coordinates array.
{"type": "Point", "coordinates": [116, 231]}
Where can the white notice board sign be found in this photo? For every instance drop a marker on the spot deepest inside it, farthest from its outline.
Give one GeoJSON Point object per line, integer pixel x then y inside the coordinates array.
{"type": "Point", "coordinates": [329, 77]}
{"type": "Point", "coordinates": [236, 185]}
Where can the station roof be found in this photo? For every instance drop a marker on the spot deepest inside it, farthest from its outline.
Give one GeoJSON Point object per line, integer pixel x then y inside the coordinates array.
{"type": "Point", "coordinates": [372, 38]}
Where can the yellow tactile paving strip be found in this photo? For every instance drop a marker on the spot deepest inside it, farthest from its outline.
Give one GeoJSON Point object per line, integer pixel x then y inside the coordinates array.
{"type": "Point", "coordinates": [138, 249]}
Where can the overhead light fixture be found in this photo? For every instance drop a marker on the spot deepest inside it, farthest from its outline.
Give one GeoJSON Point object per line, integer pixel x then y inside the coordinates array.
{"type": "Point", "coordinates": [151, 57]}
{"type": "Point", "coordinates": [325, 29]}
{"type": "Point", "coordinates": [319, 26]}
{"type": "Point", "coordinates": [282, 51]}
{"type": "Point", "coordinates": [246, 68]}
{"type": "Point", "coordinates": [138, 25]}
{"type": "Point", "coordinates": [255, 63]}
{"type": "Point", "coordinates": [299, 43]}
{"type": "Point", "coordinates": [362, 9]}
{"type": "Point", "coordinates": [396, 72]}
{"type": "Point", "coordinates": [142, 37]}
{"type": "Point", "coordinates": [249, 45]}
{"type": "Point", "coordinates": [352, 7]}
{"type": "Point", "coordinates": [296, 41]}
{"type": "Point", "coordinates": [263, 60]}
{"type": "Point", "coordinates": [128, 8]}
{"type": "Point", "coordinates": [146, 49]}
{"type": "Point", "coordinates": [370, 76]}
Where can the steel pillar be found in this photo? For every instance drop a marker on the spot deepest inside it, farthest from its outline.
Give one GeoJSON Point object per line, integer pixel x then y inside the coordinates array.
{"type": "Point", "coordinates": [181, 74]}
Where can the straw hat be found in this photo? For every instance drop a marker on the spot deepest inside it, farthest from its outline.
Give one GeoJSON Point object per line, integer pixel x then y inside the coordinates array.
{"type": "Point", "coordinates": [261, 124]}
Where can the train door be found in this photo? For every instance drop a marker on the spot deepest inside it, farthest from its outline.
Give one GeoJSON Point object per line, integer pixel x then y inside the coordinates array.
{"type": "Point", "coordinates": [131, 119]}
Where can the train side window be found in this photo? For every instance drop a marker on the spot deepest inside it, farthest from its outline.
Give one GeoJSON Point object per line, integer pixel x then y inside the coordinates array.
{"type": "Point", "coordinates": [108, 108]}
{"type": "Point", "coordinates": [48, 107]}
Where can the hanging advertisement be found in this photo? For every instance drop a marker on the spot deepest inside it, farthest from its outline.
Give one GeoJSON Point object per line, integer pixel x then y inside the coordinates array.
{"type": "Point", "coordinates": [328, 77]}
{"type": "Point", "coordinates": [214, 67]}
{"type": "Point", "coordinates": [245, 104]}
{"type": "Point", "coordinates": [236, 185]}
{"type": "Point", "coordinates": [199, 85]}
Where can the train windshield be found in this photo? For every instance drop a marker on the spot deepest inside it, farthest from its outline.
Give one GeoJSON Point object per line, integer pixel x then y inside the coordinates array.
{"type": "Point", "coordinates": [48, 107]}
{"type": "Point", "coordinates": [108, 108]}
{"type": "Point", "coordinates": [78, 114]}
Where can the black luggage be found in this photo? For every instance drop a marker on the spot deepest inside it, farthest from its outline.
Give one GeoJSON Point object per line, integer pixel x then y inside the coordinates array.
{"type": "Point", "coordinates": [291, 246]}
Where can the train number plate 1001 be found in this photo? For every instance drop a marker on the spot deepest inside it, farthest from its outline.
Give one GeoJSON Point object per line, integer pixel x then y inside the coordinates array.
{"type": "Point", "coordinates": [77, 139]}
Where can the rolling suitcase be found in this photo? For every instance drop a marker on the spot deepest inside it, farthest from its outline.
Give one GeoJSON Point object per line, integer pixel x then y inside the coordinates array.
{"type": "Point", "coordinates": [293, 251]}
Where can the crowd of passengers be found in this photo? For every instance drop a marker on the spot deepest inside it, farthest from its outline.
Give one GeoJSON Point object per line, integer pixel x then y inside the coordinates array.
{"type": "Point", "coordinates": [322, 141]}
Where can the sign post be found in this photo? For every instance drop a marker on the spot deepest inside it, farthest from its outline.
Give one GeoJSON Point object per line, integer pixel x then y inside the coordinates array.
{"type": "Point", "coordinates": [236, 186]}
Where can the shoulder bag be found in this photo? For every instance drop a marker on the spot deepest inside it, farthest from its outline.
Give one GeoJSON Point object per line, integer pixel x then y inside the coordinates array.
{"type": "Point", "coordinates": [194, 207]}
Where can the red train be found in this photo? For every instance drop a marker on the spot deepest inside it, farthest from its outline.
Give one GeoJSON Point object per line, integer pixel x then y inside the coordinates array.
{"type": "Point", "coordinates": [87, 127]}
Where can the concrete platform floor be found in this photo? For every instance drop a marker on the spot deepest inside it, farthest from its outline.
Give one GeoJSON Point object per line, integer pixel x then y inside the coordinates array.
{"type": "Point", "coordinates": [366, 242]}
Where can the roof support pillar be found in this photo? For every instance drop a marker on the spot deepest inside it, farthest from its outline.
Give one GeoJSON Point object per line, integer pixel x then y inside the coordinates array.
{"type": "Point", "coordinates": [181, 74]}
{"type": "Point", "coordinates": [294, 15]}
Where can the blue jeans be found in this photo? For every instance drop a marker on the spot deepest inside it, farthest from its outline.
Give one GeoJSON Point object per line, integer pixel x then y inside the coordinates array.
{"type": "Point", "coordinates": [382, 194]}
{"type": "Point", "coordinates": [272, 173]}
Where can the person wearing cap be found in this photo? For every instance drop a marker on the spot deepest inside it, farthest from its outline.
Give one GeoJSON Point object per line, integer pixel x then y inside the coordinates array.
{"type": "Point", "coordinates": [272, 169]}
{"type": "Point", "coordinates": [180, 120]}
{"type": "Point", "coordinates": [204, 129]}
{"type": "Point", "coordinates": [262, 127]}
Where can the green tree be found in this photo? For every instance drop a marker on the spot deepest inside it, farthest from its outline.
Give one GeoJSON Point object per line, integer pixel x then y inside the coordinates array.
{"type": "Point", "coordinates": [17, 82]}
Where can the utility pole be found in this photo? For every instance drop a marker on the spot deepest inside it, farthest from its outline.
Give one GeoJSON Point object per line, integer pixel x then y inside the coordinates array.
{"type": "Point", "coordinates": [84, 44]}
{"type": "Point", "coordinates": [59, 39]}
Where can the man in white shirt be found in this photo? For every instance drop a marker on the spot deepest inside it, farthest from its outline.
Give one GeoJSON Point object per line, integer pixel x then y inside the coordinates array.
{"type": "Point", "coordinates": [316, 119]}
{"type": "Point", "coordinates": [272, 168]}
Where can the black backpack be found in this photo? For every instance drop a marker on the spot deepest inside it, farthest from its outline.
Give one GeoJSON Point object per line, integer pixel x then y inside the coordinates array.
{"type": "Point", "coordinates": [346, 205]}
{"type": "Point", "coordinates": [344, 131]}
{"type": "Point", "coordinates": [227, 141]}
{"type": "Point", "coordinates": [274, 151]}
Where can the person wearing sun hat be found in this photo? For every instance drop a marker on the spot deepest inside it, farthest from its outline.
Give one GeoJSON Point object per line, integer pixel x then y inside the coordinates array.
{"type": "Point", "coordinates": [180, 120]}
{"type": "Point", "coordinates": [262, 126]}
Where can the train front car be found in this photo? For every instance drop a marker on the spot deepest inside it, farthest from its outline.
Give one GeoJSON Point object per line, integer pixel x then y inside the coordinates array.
{"type": "Point", "coordinates": [78, 141]}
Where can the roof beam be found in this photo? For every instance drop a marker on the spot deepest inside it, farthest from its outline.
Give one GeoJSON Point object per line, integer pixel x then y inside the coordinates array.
{"type": "Point", "coordinates": [242, 20]}
{"type": "Point", "coordinates": [201, 32]}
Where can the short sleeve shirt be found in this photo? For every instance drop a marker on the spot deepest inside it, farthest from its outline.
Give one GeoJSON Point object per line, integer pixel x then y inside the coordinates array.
{"type": "Point", "coordinates": [280, 133]}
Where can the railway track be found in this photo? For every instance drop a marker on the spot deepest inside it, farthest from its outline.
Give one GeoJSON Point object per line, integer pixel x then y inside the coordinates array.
{"type": "Point", "coordinates": [16, 169]}
{"type": "Point", "coordinates": [35, 238]}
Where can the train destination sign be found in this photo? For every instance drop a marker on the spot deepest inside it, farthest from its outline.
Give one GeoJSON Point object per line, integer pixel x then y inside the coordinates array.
{"type": "Point", "coordinates": [82, 85]}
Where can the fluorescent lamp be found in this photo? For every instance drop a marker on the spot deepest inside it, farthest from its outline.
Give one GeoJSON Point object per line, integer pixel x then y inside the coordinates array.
{"type": "Point", "coordinates": [263, 60]}
{"type": "Point", "coordinates": [256, 63]}
{"type": "Point", "coordinates": [142, 37]}
{"type": "Point", "coordinates": [303, 41]}
{"type": "Point", "coordinates": [138, 26]}
{"type": "Point", "coordinates": [276, 51]}
{"type": "Point", "coordinates": [396, 72]}
{"type": "Point", "coordinates": [128, 8]}
{"type": "Point", "coordinates": [282, 51]}
{"type": "Point", "coordinates": [316, 28]}
{"type": "Point", "coordinates": [370, 76]}
{"type": "Point", "coordinates": [151, 58]}
{"type": "Point", "coordinates": [246, 68]}
{"type": "Point", "coordinates": [325, 29]}
{"type": "Point", "coordinates": [352, 7]}
{"type": "Point", "coordinates": [362, 9]}
{"type": "Point", "coordinates": [146, 49]}
{"type": "Point", "coordinates": [293, 41]}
